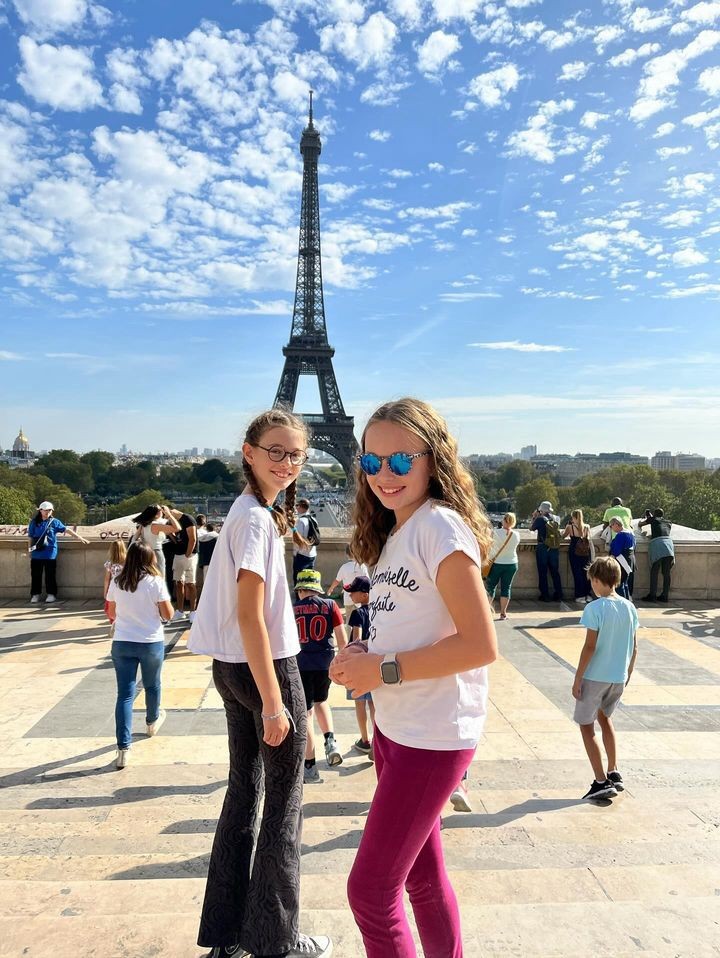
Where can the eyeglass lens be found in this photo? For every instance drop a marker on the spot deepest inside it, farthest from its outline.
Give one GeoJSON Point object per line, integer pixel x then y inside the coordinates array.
{"type": "Point", "coordinates": [399, 463]}
{"type": "Point", "coordinates": [278, 454]}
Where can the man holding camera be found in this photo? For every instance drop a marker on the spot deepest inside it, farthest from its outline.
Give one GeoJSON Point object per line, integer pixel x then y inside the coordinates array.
{"type": "Point", "coordinates": [547, 551]}
{"type": "Point", "coordinates": [661, 552]}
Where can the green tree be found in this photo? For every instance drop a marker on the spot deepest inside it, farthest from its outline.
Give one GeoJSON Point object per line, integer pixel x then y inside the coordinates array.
{"type": "Point", "coordinates": [592, 491]}
{"type": "Point", "coordinates": [135, 504]}
{"type": "Point", "coordinates": [531, 494]}
{"type": "Point", "coordinates": [100, 462]}
{"type": "Point", "coordinates": [15, 508]}
{"type": "Point", "coordinates": [75, 475]}
{"type": "Point", "coordinates": [68, 507]}
{"type": "Point", "coordinates": [652, 496]}
{"type": "Point", "coordinates": [211, 470]}
{"type": "Point", "coordinates": [514, 474]}
{"type": "Point", "coordinates": [699, 508]}
{"type": "Point", "coordinates": [57, 455]}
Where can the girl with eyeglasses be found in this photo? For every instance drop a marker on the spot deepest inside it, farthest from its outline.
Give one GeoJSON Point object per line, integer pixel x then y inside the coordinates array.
{"type": "Point", "coordinates": [245, 621]}
{"type": "Point", "coordinates": [419, 525]}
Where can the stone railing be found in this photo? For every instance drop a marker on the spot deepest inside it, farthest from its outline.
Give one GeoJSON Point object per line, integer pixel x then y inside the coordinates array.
{"type": "Point", "coordinates": [696, 575]}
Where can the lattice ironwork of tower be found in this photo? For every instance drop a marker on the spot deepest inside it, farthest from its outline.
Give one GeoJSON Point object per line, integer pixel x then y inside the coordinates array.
{"type": "Point", "coordinates": [309, 353]}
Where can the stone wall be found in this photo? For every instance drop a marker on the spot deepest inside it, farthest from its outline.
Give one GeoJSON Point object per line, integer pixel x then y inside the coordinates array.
{"type": "Point", "coordinates": [80, 568]}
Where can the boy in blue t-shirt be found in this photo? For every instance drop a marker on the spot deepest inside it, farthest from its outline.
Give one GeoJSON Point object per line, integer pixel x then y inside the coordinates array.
{"type": "Point", "coordinates": [606, 664]}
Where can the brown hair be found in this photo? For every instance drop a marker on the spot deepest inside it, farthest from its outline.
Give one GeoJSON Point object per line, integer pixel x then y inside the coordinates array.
{"type": "Point", "coordinates": [284, 516]}
{"type": "Point", "coordinates": [605, 569]}
{"type": "Point", "coordinates": [139, 562]}
{"type": "Point", "coordinates": [450, 482]}
{"type": "Point", "coordinates": [117, 552]}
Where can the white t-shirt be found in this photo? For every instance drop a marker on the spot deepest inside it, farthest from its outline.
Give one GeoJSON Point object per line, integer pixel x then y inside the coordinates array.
{"type": "Point", "coordinates": [346, 573]}
{"type": "Point", "coordinates": [153, 539]}
{"type": "Point", "coordinates": [509, 553]}
{"type": "Point", "coordinates": [137, 614]}
{"type": "Point", "coordinates": [407, 612]}
{"type": "Point", "coordinates": [303, 527]}
{"type": "Point", "coordinates": [248, 540]}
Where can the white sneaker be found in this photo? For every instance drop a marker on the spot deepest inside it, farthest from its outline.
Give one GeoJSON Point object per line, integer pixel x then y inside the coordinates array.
{"type": "Point", "coordinates": [121, 759]}
{"type": "Point", "coordinates": [319, 946]}
{"type": "Point", "coordinates": [34, 599]}
{"type": "Point", "coordinates": [50, 598]}
{"type": "Point", "coordinates": [177, 615]}
{"type": "Point", "coordinates": [191, 617]}
{"type": "Point", "coordinates": [154, 727]}
{"type": "Point", "coordinates": [459, 799]}
{"type": "Point", "coordinates": [332, 752]}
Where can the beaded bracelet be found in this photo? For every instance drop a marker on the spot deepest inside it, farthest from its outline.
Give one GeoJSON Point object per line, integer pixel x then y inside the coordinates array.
{"type": "Point", "coordinates": [283, 711]}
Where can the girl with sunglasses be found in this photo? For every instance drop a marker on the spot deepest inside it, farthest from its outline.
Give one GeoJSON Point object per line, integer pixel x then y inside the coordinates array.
{"type": "Point", "coordinates": [419, 524]}
{"type": "Point", "coordinates": [245, 621]}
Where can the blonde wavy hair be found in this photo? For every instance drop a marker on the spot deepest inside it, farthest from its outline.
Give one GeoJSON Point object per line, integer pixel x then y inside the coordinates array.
{"type": "Point", "coordinates": [450, 483]}
{"type": "Point", "coordinates": [284, 516]}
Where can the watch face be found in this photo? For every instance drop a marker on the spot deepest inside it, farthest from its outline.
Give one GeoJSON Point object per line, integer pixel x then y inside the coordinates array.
{"type": "Point", "coordinates": [390, 673]}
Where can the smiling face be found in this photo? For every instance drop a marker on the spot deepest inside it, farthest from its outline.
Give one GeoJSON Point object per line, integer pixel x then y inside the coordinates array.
{"type": "Point", "coordinates": [402, 494]}
{"type": "Point", "coordinates": [45, 514]}
{"type": "Point", "coordinates": [274, 477]}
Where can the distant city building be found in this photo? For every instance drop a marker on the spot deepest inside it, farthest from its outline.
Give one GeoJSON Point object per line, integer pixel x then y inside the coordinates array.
{"type": "Point", "coordinates": [124, 450]}
{"type": "Point", "coordinates": [490, 462]}
{"type": "Point", "coordinates": [569, 469]}
{"type": "Point", "coordinates": [527, 452]}
{"type": "Point", "coordinates": [665, 461]}
{"type": "Point", "coordinates": [20, 455]}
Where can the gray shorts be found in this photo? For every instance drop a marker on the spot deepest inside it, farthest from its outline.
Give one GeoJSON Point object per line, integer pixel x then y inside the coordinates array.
{"type": "Point", "coordinates": [596, 696]}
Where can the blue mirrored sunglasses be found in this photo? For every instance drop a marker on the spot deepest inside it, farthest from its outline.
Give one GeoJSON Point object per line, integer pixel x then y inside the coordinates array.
{"type": "Point", "coordinates": [399, 463]}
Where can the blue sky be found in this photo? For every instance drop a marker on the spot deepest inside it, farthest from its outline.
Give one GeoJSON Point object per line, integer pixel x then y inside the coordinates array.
{"type": "Point", "coordinates": [519, 207]}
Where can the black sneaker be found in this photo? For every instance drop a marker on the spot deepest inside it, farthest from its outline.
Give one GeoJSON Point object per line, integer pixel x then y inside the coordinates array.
{"type": "Point", "coordinates": [228, 951]}
{"type": "Point", "coordinates": [362, 746]}
{"type": "Point", "coordinates": [604, 789]}
{"type": "Point", "coordinates": [617, 780]}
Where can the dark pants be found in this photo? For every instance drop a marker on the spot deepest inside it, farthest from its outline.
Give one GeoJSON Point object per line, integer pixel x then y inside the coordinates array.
{"type": "Point", "coordinates": [548, 560]}
{"type": "Point", "coordinates": [579, 565]}
{"type": "Point", "coordinates": [36, 575]}
{"type": "Point", "coordinates": [300, 563]}
{"type": "Point", "coordinates": [666, 564]}
{"type": "Point", "coordinates": [254, 899]}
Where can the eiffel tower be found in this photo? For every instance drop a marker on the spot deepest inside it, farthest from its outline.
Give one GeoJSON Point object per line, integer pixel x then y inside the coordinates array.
{"type": "Point", "coordinates": [308, 353]}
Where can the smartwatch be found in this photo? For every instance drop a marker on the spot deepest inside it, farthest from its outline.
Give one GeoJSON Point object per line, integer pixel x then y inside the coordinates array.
{"type": "Point", "coordinates": [390, 670]}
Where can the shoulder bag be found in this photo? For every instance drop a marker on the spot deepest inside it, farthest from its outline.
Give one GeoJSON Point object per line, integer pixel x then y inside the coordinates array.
{"type": "Point", "coordinates": [489, 563]}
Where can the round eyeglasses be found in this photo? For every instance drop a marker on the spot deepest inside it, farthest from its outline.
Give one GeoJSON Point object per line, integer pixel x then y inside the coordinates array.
{"type": "Point", "coordinates": [399, 463]}
{"type": "Point", "coordinates": [297, 457]}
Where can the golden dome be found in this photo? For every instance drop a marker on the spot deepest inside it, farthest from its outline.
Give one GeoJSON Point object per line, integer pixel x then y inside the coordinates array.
{"type": "Point", "coordinates": [22, 443]}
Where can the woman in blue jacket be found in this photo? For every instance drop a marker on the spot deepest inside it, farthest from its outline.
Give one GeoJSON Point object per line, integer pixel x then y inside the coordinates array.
{"type": "Point", "coordinates": [42, 532]}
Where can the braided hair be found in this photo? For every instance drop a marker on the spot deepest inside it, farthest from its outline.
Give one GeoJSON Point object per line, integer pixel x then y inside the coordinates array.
{"type": "Point", "coordinates": [284, 516]}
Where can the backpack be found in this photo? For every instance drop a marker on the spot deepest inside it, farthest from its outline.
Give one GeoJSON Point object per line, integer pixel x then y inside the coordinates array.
{"type": "Point", "coordinates": [552, 534]}
{"type": "Point", "coordinates": [313, 535]}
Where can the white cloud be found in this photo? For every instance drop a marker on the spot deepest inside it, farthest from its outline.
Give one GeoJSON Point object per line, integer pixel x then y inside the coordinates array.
{"type": "Point", "coordinates": [398, 174]}
{"type": "Point", "coordinates": [576, 70]}
{"type": "Point", "coordinates": [436, 167]}
{"type": "Point", "coordinates": [436, 51]}
{"type": "Point", "coordinates": [666, 152]}
{"type": "Point", "coordinates": [380, 136]}
{"type": "Point", "coordinates": [449, 211]}
{"type": "Point", "coordinates": [10, 357]}
{"type": "Point", "coordinates": [568, 178]}
{"type": "Point", "coordinates": [689, 257]}
{"type": "Point", "coordinates": [556, 40]}
{"type": "Point", "coordinates": [467, 297]}
{"type": "Point", "coordinates": [337, 192]}
{"type": "Point", "coordinates": [516, 346]}
{"type": "Point", "coordinates": [692, 184]}
{"type": "Point", "coordinates": [629, 56]}
{"type": "Point", "coordinates": [383, 93]}
{"type": "Point", "coordinates": [491, 88]}
{"type": "Point", "coordinates": [46, 17]}
{"type": "Point", "coordinates": [644, 20]}
{"type": "Point", "coordinates": [704, 13]}
{"type": "Point", "coordinates": [410, 11]}
{"type": "Point", "coordinates": [709, 81]}
{"type": "Point", "coordinates": [61, 76]}
{"type": "Point", "coordinates": [605, 36]}
{"type": "Point", "coordinates": [446, 10]}
{"type": "Point", "coordinates": [369, 45]}
{"type": "Point", "coordinates": [681, 219]}
{"type": "Point", "coordinates": [662, 75]}
{"type": "Point", "coordinates": [537, 139]}
{"type": "Point", "coordinates": [663, 130]}
{"type": "Point", "coordinates": [590, 119]}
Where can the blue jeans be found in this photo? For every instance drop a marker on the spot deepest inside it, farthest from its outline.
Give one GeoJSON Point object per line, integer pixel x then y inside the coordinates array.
{"type": "Point", "coordinates": [548, 560]}
{"type": "Point", "coordinates": [126, 657]}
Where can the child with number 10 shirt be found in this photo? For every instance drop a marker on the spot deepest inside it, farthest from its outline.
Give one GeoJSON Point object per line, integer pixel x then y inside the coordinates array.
{"type": "Point", "coordinates": [419, 524]}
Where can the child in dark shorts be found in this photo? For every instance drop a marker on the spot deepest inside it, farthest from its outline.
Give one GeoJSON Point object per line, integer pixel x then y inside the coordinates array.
{"type": "Point", "coordinates": [606, 664]}
{"type": "Point", "coordinates": [359, 624]}
{"type": "Point", "coordinates": [317, 619]}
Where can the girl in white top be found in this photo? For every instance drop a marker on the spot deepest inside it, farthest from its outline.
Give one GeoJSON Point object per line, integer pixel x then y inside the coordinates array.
{"type": "Point", "coordinates": [138, 602]}
{"type": "Point", "coordinates": [419, 525]}
{"type": "Point", "coordinates": [153, 525]}
{"type": "Point", "coordinates": [504, 558]}
{"type": "Point", "coordinates": [245, 621]}
{"type": "Point", "coordinates": [347, 572]}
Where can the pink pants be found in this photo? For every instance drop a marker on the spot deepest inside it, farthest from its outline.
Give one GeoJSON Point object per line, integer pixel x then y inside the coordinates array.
{"type": "Point", "coordinates": [401, 847]}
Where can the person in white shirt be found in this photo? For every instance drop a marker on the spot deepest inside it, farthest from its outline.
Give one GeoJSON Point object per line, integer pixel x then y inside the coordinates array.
{"type": "Point", "coordinates": [304, 548]}
{"type": "Point", "coordinates": [154, 524]}
{"type": "Point", "coordinates": [347, 573]}
{"type": "Point", "coordinates": [245, 621]}
{"type": "Point", "coordinates": [431, 638]}
{"type": "Point", "coordinates": [504, 559]}
{"type": "Point", "coordinates": [138, 602]}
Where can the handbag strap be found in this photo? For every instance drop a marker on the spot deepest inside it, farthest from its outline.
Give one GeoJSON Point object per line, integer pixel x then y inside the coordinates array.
{"type": "Point", "coordinates": [509, 537]}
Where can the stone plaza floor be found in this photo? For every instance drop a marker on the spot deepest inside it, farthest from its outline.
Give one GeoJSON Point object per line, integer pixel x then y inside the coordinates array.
{"type": "Point", "coordinates": [102, 863]}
